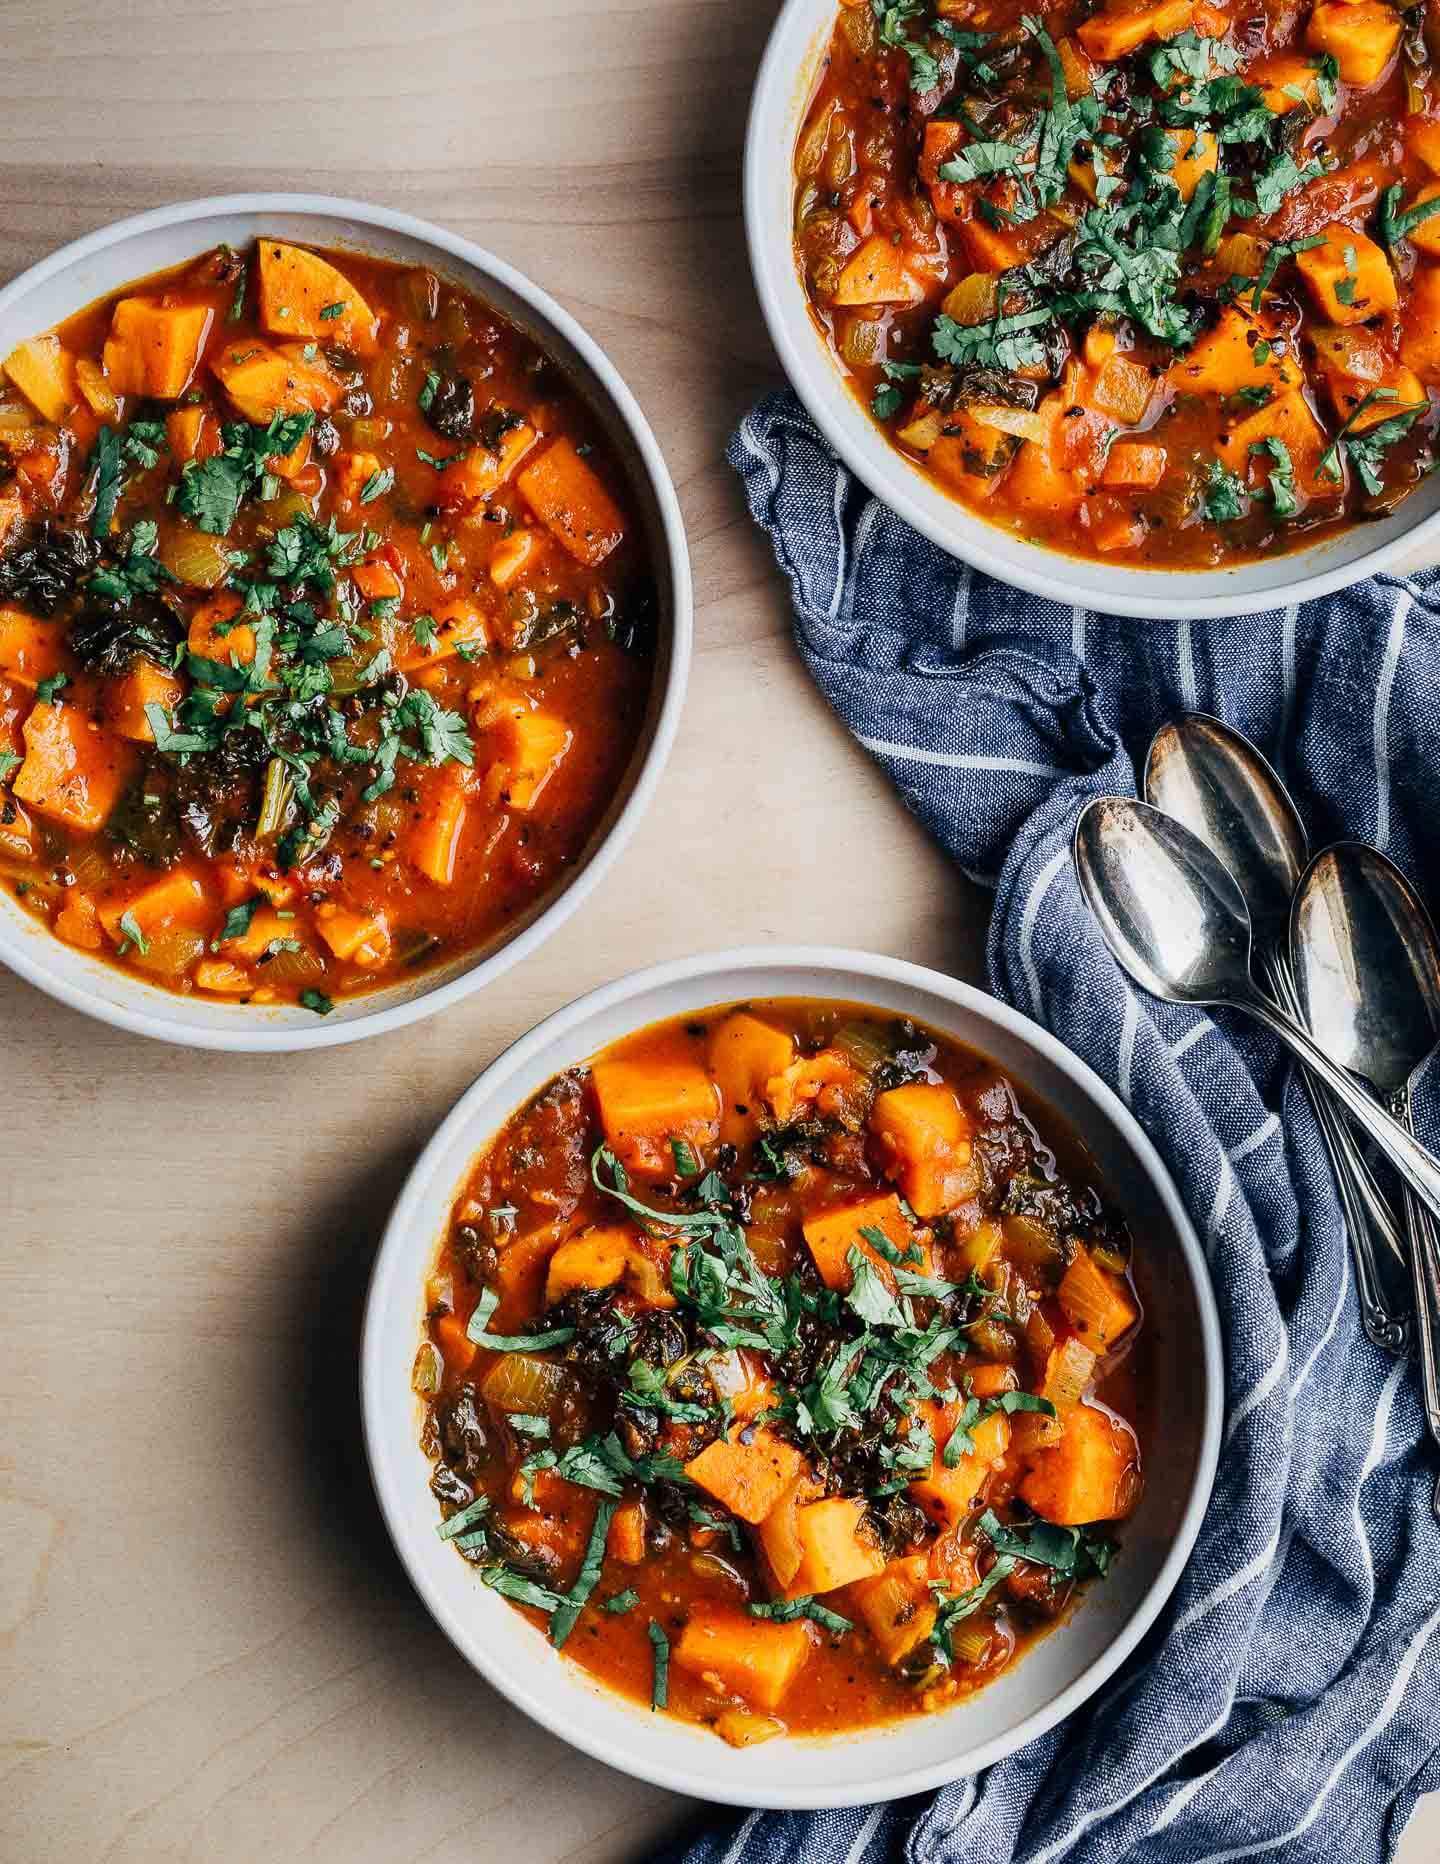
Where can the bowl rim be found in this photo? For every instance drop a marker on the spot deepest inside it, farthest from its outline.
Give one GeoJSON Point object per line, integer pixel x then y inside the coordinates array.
{"type": "Point", "coordinates": [30, 961]}
{"type": "Point", "coordinates": [397, 1258]}
{"type": "Point", "coordinates": [893, 480]}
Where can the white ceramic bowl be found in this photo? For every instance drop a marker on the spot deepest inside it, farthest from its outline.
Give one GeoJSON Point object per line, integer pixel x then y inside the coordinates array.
{"type": "Point", "coordinates": [1064, 1668]}
{"type": "Point", "coordinates": [96, 265]}
{"type": "Point", "coordinates": [788, 78]}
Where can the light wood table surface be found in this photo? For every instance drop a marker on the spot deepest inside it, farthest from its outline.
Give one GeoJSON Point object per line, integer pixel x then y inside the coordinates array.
{"type": "Point", "coordinates": [209, 1651]}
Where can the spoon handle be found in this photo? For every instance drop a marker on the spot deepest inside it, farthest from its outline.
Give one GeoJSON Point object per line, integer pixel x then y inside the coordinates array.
{"type": "Point", "coordinates": [1419, 1168]}
{"type": "Point", "coordinates": [1425, 1268]}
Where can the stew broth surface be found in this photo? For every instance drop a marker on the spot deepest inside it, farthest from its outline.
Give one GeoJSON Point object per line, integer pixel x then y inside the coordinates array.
{"type": "Point", "coordinates": [823, 1418]}
{"type": "Point", "coordinates": [327, 625]}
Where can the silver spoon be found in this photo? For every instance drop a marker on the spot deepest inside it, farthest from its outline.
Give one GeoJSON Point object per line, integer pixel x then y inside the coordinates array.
{"type": "Point", "coordinates": [1215, 781]}
{"type": "Point", "coordinates": [1176, 920]}
{"type": "Point", "coordinates": [1367, 963]}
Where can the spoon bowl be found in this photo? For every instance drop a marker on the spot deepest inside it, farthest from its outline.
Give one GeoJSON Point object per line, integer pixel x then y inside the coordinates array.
{"type": "Point", "coordinates": [1216, 782]}
{"type": "Point", "coordinates": [1170, 911]}
{"type": "Point", "coordinates": [1367, 964]}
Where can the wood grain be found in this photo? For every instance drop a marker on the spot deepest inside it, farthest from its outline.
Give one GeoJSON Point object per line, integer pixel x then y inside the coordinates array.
{"type": "Point", "coordinates": [209, 1651]}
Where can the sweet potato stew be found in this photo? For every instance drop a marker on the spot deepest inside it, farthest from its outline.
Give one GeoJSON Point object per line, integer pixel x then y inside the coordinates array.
{"type": "Point", "coordinates": [326, 625]}
{"type": "Point", "coordinates": [1157, 281]}
{"type": "Point", "coordinates": [784, 1368]}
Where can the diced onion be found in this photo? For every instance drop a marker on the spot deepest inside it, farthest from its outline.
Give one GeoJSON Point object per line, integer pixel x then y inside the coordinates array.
{"type": "Point", "coordinates": [171, 953]}
{"type": "Point", "coordinates": [428, 1370]}
{"type": "Point", "coordinates": [1023, 423]}
{"type": "Point", "coordinates": [923, 432]}
{"type": "Point", "coordinates": [521, 1382]}
{"type": "Point", "coordinates": [739, 1726]}
{"type": "Point", "coordinates": [971, 1642]}
{"type": "Point", "coordinates": [194, 557]}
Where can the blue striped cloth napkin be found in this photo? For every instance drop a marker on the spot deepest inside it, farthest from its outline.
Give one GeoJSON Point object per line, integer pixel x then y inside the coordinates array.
{"type": "Point", "coordinates": [1289, 1702]}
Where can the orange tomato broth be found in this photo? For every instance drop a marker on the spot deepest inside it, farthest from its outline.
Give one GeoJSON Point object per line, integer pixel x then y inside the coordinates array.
{"type": "Point", "coordinates": [490, 607]}
{"type": "Point", "coordinates": [570, 1266]}
{"type": "Point", "coordinates": [1276, 386]}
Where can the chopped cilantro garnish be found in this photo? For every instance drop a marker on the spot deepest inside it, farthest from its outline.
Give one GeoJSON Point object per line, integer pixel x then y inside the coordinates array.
{"type": "Point", "coordinates": [46, 690]}
{"type": "Point", "coordinates": [1222, 498]}
{"type": "Point", "coordinates": [133, 936]}
{"type": "Point", "coordinates": [660, 1676]}
{"type": "Point", "coordinates": [317, 1001]}
{"type": "Point", "coordinates": [1282, 478]}
{"type": "Point", "coordinates": [786, 1611]}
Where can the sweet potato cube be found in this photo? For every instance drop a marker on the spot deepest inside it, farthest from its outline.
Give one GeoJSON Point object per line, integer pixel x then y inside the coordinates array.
{"type": "Point", "coordinates": [479, 471]}
{"type": "Point", "coordinates": [924, 1138]}
{"type": "Point", "coordinates": [1139, 464]}
{"type": "Point", "coordinates": [748, 1478]}
{"type": "Point", "coordinates": [153, 348]}
{"type": "Point", "coordinates": [897, 1606]}
{"type": "Point", "coordinates": [1036, 483]}
{"type": "Point", "coordinates": [644, 1105]}
{"type": "Point", "coordinates": [126, 699]}
{"type": "Point", "coordinates": [596, 1259]}
{"type": "Point", "coordinates": [1286, 418]}
{"type": "Point", "coordinates": [350, 473]}
{"type": "Point", "coordinates": [303, 295]}
{"type": "Point", "coordinates": [745, 1053]}
{"type": "Point", "coordinates": [1362, 39]}
{"type": "Point", "coordinates": [264, 381]}
{"type": "Point", "coordinates": [12, 514]}
{"type": "Point", "coordinates": [1193, 153]}
{"type": "Point", "coordinates": [189, 435]}
{"type": "Point", "coordinates": [377, 582]}
{"type": "Point", "coordinates": [627, 1534]}
{"type": "Point", "coordinates": [989, 249]}
{"type": "Point", "coordinates": [831, 1234]}
{"type": "Point", "coordinates": [1286, 80]}
{"type": "Point", "coordinates": [1420, 327]}
{"type": "Point", "coordinates": [31, 650]}
{"type": "Point", "coordinates": [751, 1657]}
{"type": "Point", "coordinates": [222, 978]}
{"type": "Point", "coordinates": [355, 938]}
{"type": "Point", "coordinates": [44, 372]}
{"type": "Point", "coordinates": [1224, 360]}
{"type": "Point", "coordinates": [1107, 36]}
{"type": "Point", "coordinates": [1123, 389]}
{"type": "Point", "coordinates": [511, 556]}
{"type": "Point", "coordinates": [176, 900]}
{"type": "Point", "coordinates": [947, 1495]}
{"type": "Point", "coordinates": [1098, 1305]}
{"type": "Point", "coordinates": [568, 497]}
{"type": "Point", "coordinates": [78, 923]}
{"type": "Point", "coordinates": [216, 633]}
{"type": "Point", "coordinates": [1424, 140]}
{"type": "Point", "coordinates": [433, 842]}
{"type": "Point", "coordinates": [1092, 1474]}
{"type": "Point", "coordinates": [876, 274]}
{"type": "Point", "coordinates": [1349, 276]}
{"type": "Point", "coordinates": [1425, 236]}
{"type": "Point", "coordinates": [73, 772]}
{"type": "Point", "coordinates": [832, 1550]}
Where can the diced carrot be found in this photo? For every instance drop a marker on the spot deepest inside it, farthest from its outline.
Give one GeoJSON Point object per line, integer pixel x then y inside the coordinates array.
{"type": "Point", "coordinates": [303, 295]}
{"type": "Point", "coordinates": [747, 1477]}
{"type": "Point", "coordinates": [567, 496]}
{"type": "Point", "coordinates": [455, 1344]}
{"type": "Point", "coordinates": [31, 650]}
{"type": "Point", "coordinates": [924, 1139]}
{"type": "Point", "coordinates": [350, 473]}
{"type": "Point", "coordinates": [876, 274]}
{"type": "Point", "coordinates": [356, 938]}
{"type": "Point", "coordinates": [44, 372]}
{"type": "Point", "coordinates": [1110, 35]}
{"type": "Point", "coordinates": [754, 1659]}
{"type": "Point", "coordinates": [1097, 1304]}
{"type": "Point", "coordinates": [832, 1233]}
{"type": "Point", "coordinates": [1135, 463]}
{"type": "Point", "coordinates": [377, 582]}
{"type": "Point", "coordinates": [153, 348]}
{"type": "Point", "coordinates": [126, 699]}
{"type": "Point", "coordinates": [434, 841]}
{"type": "Point", "coordinates": [627, 1534]}
{"type": "Point", "coordinates": [73, 772]}
{"type": "Point", "coordinates": [479, 471]}
{"type": "Point", "coordinates": [1092, 1474]}
{"type": "Point", "coordinates": [744, 1053]}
